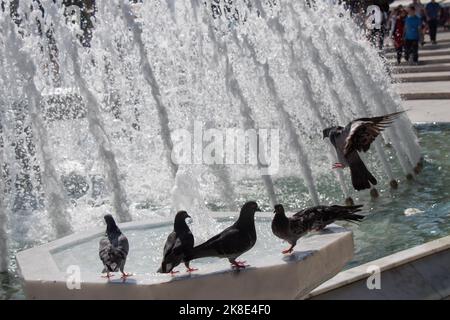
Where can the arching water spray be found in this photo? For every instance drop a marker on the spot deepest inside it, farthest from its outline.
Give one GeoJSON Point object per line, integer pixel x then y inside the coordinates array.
{"type": "Point", "coordinates": [96, 127]}
{"type": "Point", "coordinates": [293, 136]}
{"type": "Point", "coordinates": [54, 192]}
{"type": "Point", "coordinates": [313, 100]}
{"type": "Point", "coordinates": [186, 196]}
{"type": "Point", "coordinates": [3, 211]}
{"type": "Point", "coordinates": [149, 76]}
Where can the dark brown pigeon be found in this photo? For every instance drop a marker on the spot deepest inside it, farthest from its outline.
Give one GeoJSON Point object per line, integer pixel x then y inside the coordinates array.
{"type": "Point", "coordinates": [234, 240]}
{"type": "Point", "coordinates": [311, 219]}
{"type": "Point", "coordinates": [358, 135]}
{"type": "Point", "coordinates": [113, 250]}
{"type": "Point", "coordinates": [178, 246]}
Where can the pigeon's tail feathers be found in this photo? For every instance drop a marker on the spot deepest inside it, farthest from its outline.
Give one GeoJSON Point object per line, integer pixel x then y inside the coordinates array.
{"type": "Point", "coordinates": [198, 252]}
{"type": "Point", "coordinates": [354, 218]}
{"type": "Point", "coordinates": [165, 268]}
{"type": "Point", "coordinates": [347, 213]}
{"type": "Point", "coordinates": [361, 176]}
{"type": "Point", "coordinates": [201, 251]}
{"type": "Point", "coordinates": [206, 249]}
{"type": "Point", "coordinates": [112, 258]}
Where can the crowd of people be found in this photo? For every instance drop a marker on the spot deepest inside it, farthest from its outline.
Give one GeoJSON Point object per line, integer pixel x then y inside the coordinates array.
{"type": "Point", "coordinates": [408, 26]}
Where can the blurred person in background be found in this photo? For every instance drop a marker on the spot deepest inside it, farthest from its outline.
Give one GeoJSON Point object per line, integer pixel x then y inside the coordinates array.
{"type": "Point", "coordinates": [432, 13]}
{"type": "Point", "coordinates": [411, 34]}
{"type": "Point", "coordinates": [420, 11]}
{"type": "Point", "coordinates": [398, 31]}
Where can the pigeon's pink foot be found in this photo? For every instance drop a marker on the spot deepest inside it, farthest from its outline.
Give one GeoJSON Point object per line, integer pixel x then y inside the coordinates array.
{"type": "Point", "coordinates": [338, 165]}
{"type": "Point", "coordinates": [191, 269]}
{"type": "Point", "coordinates": [108, 276]}
{"type": "Point", "coordinates": [172, 273]}
{"type": "Point", "coordinates": [125, 275]}
{"type": "Point", "coordinates": [287, 251]}
{"type": "Point", "coordinates": [239, 264]}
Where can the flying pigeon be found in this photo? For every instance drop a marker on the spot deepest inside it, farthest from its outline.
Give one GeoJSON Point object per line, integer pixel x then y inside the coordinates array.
{"type": "Point", "coordinates": [357, 136]}
{"type": "Point", "coordinates": [234, 240]}
{"type": "Point", "coordinates": [310, 219]}
{"type": "Point", "coordinates": [179, 245]}
{"type": "Point", "coordinates": [113, 249]}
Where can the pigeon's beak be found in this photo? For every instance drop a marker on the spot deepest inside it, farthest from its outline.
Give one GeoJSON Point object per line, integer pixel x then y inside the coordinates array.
{"type": "Point", "coordinates": [274, 211]}
{"type": "Point", "coordinates": [258, 209]}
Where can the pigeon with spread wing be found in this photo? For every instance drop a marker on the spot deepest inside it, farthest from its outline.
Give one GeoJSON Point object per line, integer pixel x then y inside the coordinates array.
{"type": "Point", "coordinates": [358, 135]}
{"type": "Point", "coordinates": [315, 218]}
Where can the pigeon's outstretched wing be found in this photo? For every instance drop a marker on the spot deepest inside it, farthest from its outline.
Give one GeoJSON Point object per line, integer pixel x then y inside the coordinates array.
{"type": "Point", "coordinates": [318, 217]}
{"type": "Point", "coordinates": [363, 131]}
{"type": "Point", "coordinates": [113, 256]}
{"type": "Point", "coordinates": [310, 219]}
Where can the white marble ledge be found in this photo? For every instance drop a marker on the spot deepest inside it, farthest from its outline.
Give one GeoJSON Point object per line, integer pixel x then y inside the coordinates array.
{"type": "Point", "coordinates": [386, 263]}
{"type": "Point", "coordinates": [317, 259]}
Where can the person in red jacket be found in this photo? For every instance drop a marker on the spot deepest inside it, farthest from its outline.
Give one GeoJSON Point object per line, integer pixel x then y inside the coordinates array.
{"type": "Point", "coordinates": [398, 32]}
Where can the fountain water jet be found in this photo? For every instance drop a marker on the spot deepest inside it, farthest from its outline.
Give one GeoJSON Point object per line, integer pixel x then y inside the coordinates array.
{"type": "Point", "coordinates": [3, 210]}
{"type": "Point", "coordinates": [56, 200]}
{"type": "Point", "coordinates": [96, 127]}
{"type": "Point", "coordinates": [151, 80]}
{"type": "Point", "coordinates": [220, 172]}
{"type": "Point", "coordinates": [293, 136]}
{"type": "Point", "coordinates": [304, 77]}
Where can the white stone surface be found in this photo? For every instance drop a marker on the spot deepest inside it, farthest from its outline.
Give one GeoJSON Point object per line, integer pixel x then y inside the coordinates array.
{"type": "Point", "coordinates": [428, 110]}
{"type": "Point", "coordinates": [315, 260]}
{"type": "Point", "coordinates": [422, 272]}
{"type": "Point", "coordinates": [424, 87]}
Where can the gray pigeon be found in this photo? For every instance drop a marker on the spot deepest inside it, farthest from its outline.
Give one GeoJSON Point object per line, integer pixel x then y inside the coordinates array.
{"type": "Point", "coordinates": [178, 246]}
{"type": "Point", "coordinates": [234, 240]}
{"type": "Point", "coordinates": [311, 219]}
{"type": "Point", "coordinates": [357, 136]}
{"type": "Point", "coordinates": [113, 249]}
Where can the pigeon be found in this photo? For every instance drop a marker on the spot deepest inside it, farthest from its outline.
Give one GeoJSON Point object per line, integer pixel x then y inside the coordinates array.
{"type": "Point", "coordinates": [113, 249]}
{"type": "Point", "coordinates": [179, 245]}
{"type": "Point", "coordinates": [234, 240]}
{"type": "Point", "coordinates": [357, 136]}
{"type": "Point", "coordinates": [310, 219]}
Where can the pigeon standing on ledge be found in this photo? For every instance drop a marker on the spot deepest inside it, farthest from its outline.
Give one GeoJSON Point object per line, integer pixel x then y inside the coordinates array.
{"type": "Point", "coordinates": [113, 249]}
{"type": "Point", "coordinates": [178, 246]}
{"type": "Point", "coordinates": [310, 219]}
{"type": "Point", "coordinates": [358, 135]}
{"type": "Point", "coordinates": [234, 240]}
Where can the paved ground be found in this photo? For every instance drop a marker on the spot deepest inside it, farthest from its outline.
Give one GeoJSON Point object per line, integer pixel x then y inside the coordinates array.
{"type": "Point", "coordinates": [426, 88]}
{"type": "Point", "coordinates": [428, 110]}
